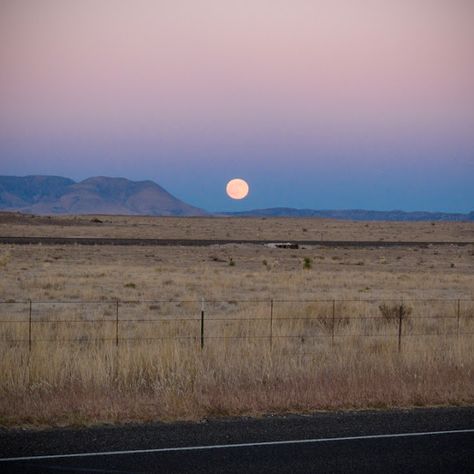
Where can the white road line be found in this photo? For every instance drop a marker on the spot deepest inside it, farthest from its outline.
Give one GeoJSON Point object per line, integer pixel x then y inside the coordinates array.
{"type": "Point", "coordinates": [239, 445]}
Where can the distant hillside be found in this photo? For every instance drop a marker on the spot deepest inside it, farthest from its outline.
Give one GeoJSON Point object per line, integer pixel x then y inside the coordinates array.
{"type": "Point", "coordinates": [355, 214]}
{"type": "Point", "coordinates": [99, 195]}
{"type": "Point", "coordinates": [103, 195]}
{"type": "Point", "coordinates": [18, 192]}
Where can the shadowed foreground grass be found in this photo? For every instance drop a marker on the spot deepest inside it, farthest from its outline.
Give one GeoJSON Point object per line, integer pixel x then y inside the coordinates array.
{"type": "Point", "coordinates": [89, 384]}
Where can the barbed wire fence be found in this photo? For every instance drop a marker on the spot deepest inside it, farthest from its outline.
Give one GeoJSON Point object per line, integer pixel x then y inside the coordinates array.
{"type": "Point", "coordinates": [28, 322]}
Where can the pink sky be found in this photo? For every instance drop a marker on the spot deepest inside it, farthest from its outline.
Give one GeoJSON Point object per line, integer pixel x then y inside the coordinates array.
{"type": "Point", "coordinates": [174, 76]}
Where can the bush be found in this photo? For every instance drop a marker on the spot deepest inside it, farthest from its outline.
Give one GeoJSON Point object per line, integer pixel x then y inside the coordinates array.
{"type": "Point", "coordinates": [4, 259]}
{"type": "Point", "coordinates": [392, 313]}
{"type": "Point", "coordinates": [307, 263]}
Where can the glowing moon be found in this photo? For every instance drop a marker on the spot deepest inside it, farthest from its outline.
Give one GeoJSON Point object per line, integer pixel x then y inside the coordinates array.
{"type": "Point", "coordinates": [237, 188]}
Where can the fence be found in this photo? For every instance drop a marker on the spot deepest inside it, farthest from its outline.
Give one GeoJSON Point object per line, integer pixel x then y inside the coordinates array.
{"type": "Point", "coordinates": [297, 322]}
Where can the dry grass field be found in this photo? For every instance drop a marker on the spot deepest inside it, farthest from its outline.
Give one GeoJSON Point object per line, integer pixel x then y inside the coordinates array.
{"type": "Point", "coordinates": [12, 224]}
{"type": "Point", "coordinates": [320, 356]}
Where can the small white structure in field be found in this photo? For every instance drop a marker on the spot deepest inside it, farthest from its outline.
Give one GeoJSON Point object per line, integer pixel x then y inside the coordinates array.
{"type": "Point", "coordinates": [282, 245]}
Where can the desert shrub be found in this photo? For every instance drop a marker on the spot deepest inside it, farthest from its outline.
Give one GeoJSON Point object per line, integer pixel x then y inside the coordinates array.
{"type": "Point", "coordinates": [307, 263]}
{"type": "Point", "coordinates": [4, 258]}
{"type": "Point", "coordinates": [392, 313]}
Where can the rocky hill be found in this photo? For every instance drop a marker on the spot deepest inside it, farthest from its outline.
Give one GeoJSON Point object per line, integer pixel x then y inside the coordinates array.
{"type": "Point", "coordinates": [98, 195]}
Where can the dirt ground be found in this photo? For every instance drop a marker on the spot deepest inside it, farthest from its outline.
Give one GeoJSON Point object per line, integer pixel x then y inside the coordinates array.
{"type": "Point", "coordinates": [14, 224]}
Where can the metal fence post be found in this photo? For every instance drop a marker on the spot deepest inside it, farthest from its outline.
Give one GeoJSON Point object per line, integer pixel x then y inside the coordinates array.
{"type": "Point", "coordinates": [459, 316]}
{"type": "Point", "coordinates": [333, 321]}
{"type": "Point", "coordinates": [400, 318]}
{"type": "Point", "coordinates": [29, 326]}
{"type": "Point", "coordinates": [202, 323]}
{"type": "Point", "coordinates": [117, 323]}
{"type": "Point", "coordinates": [271, 324]}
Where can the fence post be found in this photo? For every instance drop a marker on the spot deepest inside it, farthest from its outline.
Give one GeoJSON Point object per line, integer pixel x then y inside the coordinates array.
{"type": "Point", "coordinates": [29, 325]}
{"type": "Point", "coordinates": [117, 322]}
{"type": "Point", "coordinates": [459, 316]}
{"type": "Point", "coordinates": [271, 324]}
{"type": "Point", "coordinates": [400, 318]}
{"type": "Point", "coordinates": [202, 323]}
{"type": "Point", "coordinates": [333, 321]}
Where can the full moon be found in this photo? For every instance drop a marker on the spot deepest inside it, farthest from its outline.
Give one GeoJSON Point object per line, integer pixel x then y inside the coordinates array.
{"type": "Point", "coordinates": [237, 188]}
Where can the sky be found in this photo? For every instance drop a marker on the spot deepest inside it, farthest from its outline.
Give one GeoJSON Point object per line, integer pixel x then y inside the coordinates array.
{"type": "Point", "coordinates": [322, 104]}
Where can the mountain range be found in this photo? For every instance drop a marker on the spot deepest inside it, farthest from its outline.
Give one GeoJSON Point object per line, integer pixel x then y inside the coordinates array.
{"type": "Point", "coordinates": [105, 195]}
{"type": "Point", "coordinates": [98, 195]}
{"type": "Point", "coordinates": [356, 214]}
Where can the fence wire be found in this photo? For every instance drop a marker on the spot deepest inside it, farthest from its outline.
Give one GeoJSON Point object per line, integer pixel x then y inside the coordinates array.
{"type": "Point", "coordinates": [298, 322]}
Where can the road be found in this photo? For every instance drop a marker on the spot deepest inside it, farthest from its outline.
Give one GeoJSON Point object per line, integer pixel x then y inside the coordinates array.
{"type": "Point", "coordinates": [208, 242]}
{"type": "Point", "coordinates": [395, 441]}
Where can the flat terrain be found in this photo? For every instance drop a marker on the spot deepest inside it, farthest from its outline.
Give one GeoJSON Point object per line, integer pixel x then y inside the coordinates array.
{"type": "Point", "coordinates": [233, 228]}
{"type": "Point", "coordinates": [234, 270]}
{"type": "Point", "coordinates": [113, 331]}
{"type": "Point", "coordinates": [102, 273]}
{"type": "Point", "coordinates": [423, 440]}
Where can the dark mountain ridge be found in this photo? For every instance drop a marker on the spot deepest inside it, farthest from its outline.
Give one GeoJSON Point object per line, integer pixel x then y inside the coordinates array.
{"type": "Point", "coordinates": [104, 195]}
{"type": "Point", "coordinates": [356, 214]}
{"type": "Point", "coordinates": [18, 191]}
{"type": "Point", "coordinates": [97, 195]}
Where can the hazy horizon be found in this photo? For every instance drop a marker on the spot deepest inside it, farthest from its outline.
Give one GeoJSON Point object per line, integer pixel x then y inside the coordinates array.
{"type": "Point", "coordinates": [317, 104]}
{"type": "Point", "coordinates": [217, 211]}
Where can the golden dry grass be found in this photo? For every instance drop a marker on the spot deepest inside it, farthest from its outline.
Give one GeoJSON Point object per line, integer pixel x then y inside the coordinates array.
{"type": "Point", "coordinates": [93, 381]}
{"type": "Point", "coordinates": [87, 384]}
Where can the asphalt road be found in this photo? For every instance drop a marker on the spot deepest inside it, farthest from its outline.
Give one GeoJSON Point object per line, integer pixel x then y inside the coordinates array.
{"type": "Point", "coordinates": [421, 441]}
{"type": "Point", "coordinates": [208, 242]}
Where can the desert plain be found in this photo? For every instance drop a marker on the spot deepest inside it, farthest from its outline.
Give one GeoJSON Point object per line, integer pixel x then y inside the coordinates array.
{"type": "Point", "coordinates": [112, 333]}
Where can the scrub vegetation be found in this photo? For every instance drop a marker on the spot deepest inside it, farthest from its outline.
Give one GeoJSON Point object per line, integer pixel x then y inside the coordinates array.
{"type": "Point", "coordinates": [144, 378]}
